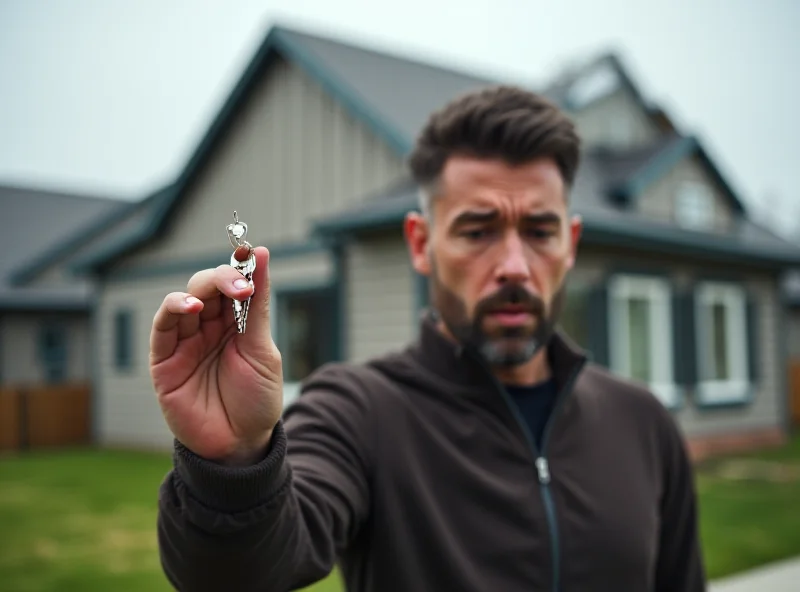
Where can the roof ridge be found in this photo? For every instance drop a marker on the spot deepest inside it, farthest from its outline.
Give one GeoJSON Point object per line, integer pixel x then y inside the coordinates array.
{"type": "Point", "coordinates": [407, 55]}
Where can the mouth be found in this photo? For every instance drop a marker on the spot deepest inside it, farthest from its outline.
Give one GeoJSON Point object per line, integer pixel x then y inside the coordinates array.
{"type": "Point", "coordinates": [511, 316]}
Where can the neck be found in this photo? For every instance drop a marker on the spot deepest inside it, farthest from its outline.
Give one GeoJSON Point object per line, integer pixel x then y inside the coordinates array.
{"type": "Point", "coordinates": [534, 371]}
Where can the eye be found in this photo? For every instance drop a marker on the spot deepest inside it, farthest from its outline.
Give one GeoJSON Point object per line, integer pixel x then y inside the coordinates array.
{"type": "Point", "coordinates": [540, 233]}
{"type": "Point", "coordinates": [475, 233]}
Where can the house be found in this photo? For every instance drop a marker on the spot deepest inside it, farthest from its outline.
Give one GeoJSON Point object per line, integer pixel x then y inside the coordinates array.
{"type": "Point", "coordinates": [675, 284]}
{"type": "Point", "coordinates": [44, 327]}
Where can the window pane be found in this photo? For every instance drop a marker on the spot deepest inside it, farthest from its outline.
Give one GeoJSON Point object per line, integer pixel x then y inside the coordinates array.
{"type": "Point", "coordinates": [720, 369]}
{"type": "Point", "coordinates": [639, 339]}
{"type": "Point", "coordinates": [307, 337]}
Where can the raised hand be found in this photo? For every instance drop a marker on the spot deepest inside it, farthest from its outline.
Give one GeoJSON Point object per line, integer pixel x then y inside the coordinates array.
{"type": "Point", "coordinates": [221, 392]}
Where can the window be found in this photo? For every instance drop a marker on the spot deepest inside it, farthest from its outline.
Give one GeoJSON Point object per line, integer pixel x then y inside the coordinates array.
{"type": "Point", "coordinates": [694, 206]}
{"type": "Point", "coordinates": [306, 334]}
{"type": "Point", "coordinates": [592, 86]}
{"type": "Point", "coordinates": [123, 339]}
{"type": "Point", "coordinates": [53, 352]}
{"type": "Point", "coordinates": [640, 327]}
{"type": "Point", "coordinates": [722, 340]}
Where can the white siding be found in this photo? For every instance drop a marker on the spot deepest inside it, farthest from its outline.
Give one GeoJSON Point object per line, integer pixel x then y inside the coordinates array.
{"type": "Point", "coordinates": [380, 297]}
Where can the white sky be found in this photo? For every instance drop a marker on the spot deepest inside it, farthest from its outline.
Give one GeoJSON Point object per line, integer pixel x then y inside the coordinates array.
{"type": "Point", "coordinates": [111, 96]}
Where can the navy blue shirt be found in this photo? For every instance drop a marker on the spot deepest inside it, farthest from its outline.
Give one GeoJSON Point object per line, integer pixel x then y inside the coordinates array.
{"type": "Point", "coordinates": [535, 404]}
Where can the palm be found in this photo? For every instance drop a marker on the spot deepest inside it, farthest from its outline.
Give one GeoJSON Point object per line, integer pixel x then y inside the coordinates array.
{"type": "Point", "coordinates": [217, 389]}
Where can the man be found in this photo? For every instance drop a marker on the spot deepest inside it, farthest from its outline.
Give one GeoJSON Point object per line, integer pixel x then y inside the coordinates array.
{"type": "Point", "coordinates": [486, 456]}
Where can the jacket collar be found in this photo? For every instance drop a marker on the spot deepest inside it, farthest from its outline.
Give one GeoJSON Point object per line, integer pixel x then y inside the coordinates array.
{"type": "Point", "coordinates": [457, 365]}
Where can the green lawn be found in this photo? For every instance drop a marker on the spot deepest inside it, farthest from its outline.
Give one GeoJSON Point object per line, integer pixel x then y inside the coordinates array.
{"type": "Point", "coordinates": [84, 520]}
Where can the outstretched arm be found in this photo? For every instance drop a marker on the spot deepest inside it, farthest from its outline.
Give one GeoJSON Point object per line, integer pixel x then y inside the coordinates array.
{"type": "Point", "coordinates": [281, 523]}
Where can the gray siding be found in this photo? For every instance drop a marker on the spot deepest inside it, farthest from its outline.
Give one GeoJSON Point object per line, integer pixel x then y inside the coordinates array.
{"type": "Point", "coordinates": [766, 409]}
{"type": "Point", "coordinates": [381, 313]}
{"type": "Point", "coordinates": [616, 120]}
{"type": "Point", "coordinates": [292, 155]}
{"type": "Point", "coordinates": [128, 412]}
{"type": "Point", "coordinates": [658, 200]}
{"type": "Point", "coordinates": [20, 363]}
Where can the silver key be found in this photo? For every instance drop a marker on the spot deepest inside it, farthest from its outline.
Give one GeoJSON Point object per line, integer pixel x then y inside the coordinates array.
{"type": "Point", "coordinates": [236, 235]}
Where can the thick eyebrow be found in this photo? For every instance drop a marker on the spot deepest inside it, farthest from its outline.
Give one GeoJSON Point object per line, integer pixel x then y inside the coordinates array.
{"type": "Point", "coordinates": [543, 218]}
{"type": "Point", "coordinates": [483, 217]}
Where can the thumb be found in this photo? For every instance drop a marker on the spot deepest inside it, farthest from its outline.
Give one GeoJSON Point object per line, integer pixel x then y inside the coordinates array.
{"type": "Point", "coordinates": [257, 330]}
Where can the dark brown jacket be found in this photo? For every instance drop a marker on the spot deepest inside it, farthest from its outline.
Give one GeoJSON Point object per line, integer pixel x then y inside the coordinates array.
{"type": "Point", "coordinates": [416, 474]}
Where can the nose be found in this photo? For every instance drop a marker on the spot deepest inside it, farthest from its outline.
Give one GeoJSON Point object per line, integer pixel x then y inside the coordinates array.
{"type": "Point", "coordinates": [513, 267]}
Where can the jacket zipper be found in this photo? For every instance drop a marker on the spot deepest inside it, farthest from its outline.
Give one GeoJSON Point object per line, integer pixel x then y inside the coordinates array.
{"type": "Point", "coordinates": [541, 463]}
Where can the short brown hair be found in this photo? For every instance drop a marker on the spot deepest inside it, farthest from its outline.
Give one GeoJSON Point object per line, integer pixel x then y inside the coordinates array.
{"type": "Point", "coordinates": [503, 122]}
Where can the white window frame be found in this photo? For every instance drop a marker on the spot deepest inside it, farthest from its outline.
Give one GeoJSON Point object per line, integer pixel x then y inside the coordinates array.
{"type": "Point", "coordinates": [737, 388]}
{"type": "Point", "coordinates": [659, 293]}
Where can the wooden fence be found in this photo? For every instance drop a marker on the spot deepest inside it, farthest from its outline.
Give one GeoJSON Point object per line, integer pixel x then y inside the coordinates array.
{"type": "Point", "coordinates": [45, 417]}
{"type": "Point", "coordinates": [794, 391]}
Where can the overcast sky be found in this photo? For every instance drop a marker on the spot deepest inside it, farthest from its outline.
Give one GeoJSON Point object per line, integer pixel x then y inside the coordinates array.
{"type": "Point", "coordinates": [111, 96]}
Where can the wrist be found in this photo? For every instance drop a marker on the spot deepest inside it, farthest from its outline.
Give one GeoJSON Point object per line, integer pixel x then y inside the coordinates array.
{"type": "Point", "coordinates": [250, 454]}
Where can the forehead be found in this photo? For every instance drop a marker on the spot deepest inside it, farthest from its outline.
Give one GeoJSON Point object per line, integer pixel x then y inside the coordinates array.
{"type": "Point", "coordinates": [468, 183]}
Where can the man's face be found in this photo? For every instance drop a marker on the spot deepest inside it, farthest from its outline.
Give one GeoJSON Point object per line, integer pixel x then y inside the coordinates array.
{"type": "Point", "coordinates": [497, 252]}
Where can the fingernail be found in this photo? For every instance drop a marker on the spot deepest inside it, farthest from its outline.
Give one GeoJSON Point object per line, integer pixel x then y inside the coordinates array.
{"type": "Point", "coordinates": [240, 284]}
{"type": "Point", "coordinates": [190, 300]}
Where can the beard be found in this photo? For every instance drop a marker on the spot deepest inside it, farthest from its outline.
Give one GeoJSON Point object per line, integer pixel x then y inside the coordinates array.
{"type": "Point", "coordinates": [502, 346]}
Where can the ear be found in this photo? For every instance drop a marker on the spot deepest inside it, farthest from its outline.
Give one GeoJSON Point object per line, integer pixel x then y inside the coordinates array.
{"type": "Point", "coordinates": [575, 231]}
{"type": "Point", "coordinates": [417, 234]}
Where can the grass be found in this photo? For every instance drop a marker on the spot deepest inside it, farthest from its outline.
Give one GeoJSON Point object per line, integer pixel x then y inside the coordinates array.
{"type": "Point", "coordinates": [748, 509]}
{"type": "Point", "coordinates": [85, 520]}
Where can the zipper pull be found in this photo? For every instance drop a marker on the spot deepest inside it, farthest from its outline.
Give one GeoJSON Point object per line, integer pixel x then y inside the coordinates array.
{"type": "Point", "coordinates": [544, 470]}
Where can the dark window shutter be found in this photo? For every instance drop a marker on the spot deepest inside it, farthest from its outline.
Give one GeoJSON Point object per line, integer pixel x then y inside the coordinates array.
{"type": "Point", "coordinates": [753, 339]}
{"type": "Point", "coordinates": [598, 334]}
{"type": "Point", "coordinates": [684, 344]}
{"type": "Point", "coordinates": [123, 346]}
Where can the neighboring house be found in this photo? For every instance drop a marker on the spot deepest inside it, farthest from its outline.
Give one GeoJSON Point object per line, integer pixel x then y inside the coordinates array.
{"type": "Point", "coordinates": [791, 295]}
{"type": "Point", "coordinates": [675, 285]}
{"type": "Point", "coordinates": [44, 329]}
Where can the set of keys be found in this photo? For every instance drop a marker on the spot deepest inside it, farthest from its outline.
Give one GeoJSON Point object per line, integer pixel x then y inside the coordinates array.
{"type": "Point", "coordinates": [243, 260]}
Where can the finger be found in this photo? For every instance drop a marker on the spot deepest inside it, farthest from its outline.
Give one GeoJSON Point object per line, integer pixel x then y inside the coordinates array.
{"type": "Point", "coordinates": [189, 324]}
{"type": "Point", "coordinates": [258, 316]}
{"type": "Point", "coordinates": [224, 279]}
{"type": "Point", "coordinates": [165, 331]}
{"type": "Point", "coordinates": [213, 307]}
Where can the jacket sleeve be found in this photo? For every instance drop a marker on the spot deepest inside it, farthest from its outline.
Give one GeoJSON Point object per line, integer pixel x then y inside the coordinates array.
{"type": "Point", "coordinates": [279, 524]}
{"type": "Point", "coordinates": [680, 565]}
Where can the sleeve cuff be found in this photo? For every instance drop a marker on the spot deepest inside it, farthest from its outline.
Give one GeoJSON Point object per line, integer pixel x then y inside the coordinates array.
{"type": "Point", "coordinates": [234, 489]}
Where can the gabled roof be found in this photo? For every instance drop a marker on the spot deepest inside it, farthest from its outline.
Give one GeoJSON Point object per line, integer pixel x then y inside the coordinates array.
{"type": "Point", "coordinates": [629, 172]}
{"type": "Point", "coordinates": [579, 87]}
{"type": "Point", "coordinates": [35, 222]}
{"type": "Point", "coordinates": [391, 94]}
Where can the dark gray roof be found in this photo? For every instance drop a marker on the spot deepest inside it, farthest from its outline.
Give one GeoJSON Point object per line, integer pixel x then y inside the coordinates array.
{"type": "Point", "coordinates": [35, 220]}
{"type": "Point", "coordinates": [402, 92]}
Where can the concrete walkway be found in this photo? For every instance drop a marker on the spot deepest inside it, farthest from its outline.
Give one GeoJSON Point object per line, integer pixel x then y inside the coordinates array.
{"type": "Point", "coordinates": [783, 576]}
